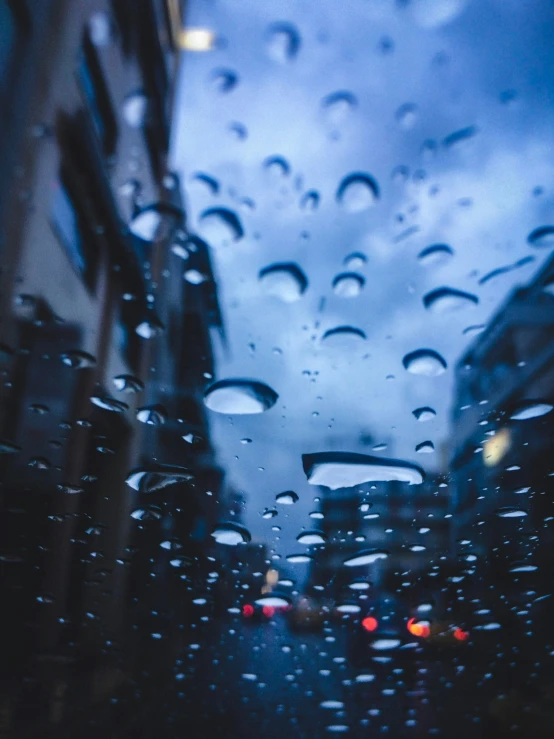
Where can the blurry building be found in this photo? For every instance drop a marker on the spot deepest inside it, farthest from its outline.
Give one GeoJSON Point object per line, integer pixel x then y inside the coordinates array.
{"type": "Point", "coordinates": [104, 347]}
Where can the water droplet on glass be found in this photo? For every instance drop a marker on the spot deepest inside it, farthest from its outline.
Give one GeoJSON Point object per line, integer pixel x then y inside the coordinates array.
{"type": "Point", "coordinates": [435, 255]}
{"type": "Point", "coordinates": [289, 497]}
{"type": "Point", "coordinates": [128, 384]}
{"type": "Point", "coordinates": [460, 136]}
{"type": "Point", "coordinates": [447, 300]}
{"type": "Point", "coordinates": [426, 447]}
{"type": "Point", "coordinates": [147, 513]}
{"type": "Point", "coordinates": [356, 260]}
{"type": "Point", "coordinates": [359, 585]}
{"type": "Point", "coordinates": [194, 277]}
{"type": "Point", "coordinates": [510, 512]}
{"type": "Point", "coordinates": [357, 192]}
{"type": "Point", "coordinates": [310, 201]}
{"type": "Point", "coordinates": [153, 415]}
{"type": "Point", "coordinates": [311, 537]}
{"type": "Point", "coordinates": [77, 359]}
{"type": "Point", "coordinates": [276, 167]}
{"type": "Point", "coordinates": [348, 608]}
{"type": "Point", "coordinates": [283, 42]}
{"type": "Point", "coordinates": [299, 558]}
{"type": "Point", "coordinates": [8, 447]}
{"type": "Point", "coordinates": [348, 284]}
{"type": "Point", "coordinates": [337, 470]}
{"type": "Point", "coordinates": [426, 362]}
{"type": "Point", "coordinates": [156, 477]}
{"type": "Point", "coordinates": [220, 227]}
{"type": "Point", "coordinates": [542, 237]}
{"type": "Point", "coordinates": [70, 489]}
{"type": "Point", "coordinates": [343, 336]}
{"type": "Point", "coordinates": [136, 109]}
{"type": "Point", "coordinates": [337, 106]}
{"type": "Point", "coordinates": [154, 223]}
{"type": "Point", "coordinates": [367, 557]}
{"type": "Point", "coordinates": [231, 534]}
{"type": "Point", "coordinates": [474, 330]}
{"type": "Point", "coordinates": [240, 396]}
{"type": "Point", "coordinates": [424, 414]}
{"type": "Point", "coordinates": [273, 601]}
{"type": "Point", "coordinates": [531, 409]}
{"type": "Point", "coordinates": [108, 404]}
{"type": "Point", "coordinates": [406, 115]}
{"type": "Point", "coordinates": [150, 328]}
{"type": "Point", "coordinates": [238, 130]}
{"type": "Point", "coordinates": [209, 183]}
{"type": "Point", "coordinates": [269, 513]}
{"type": "Point", "coordinates": [284, 281]}
{"type": "Point", "coordinates": [223, 80]}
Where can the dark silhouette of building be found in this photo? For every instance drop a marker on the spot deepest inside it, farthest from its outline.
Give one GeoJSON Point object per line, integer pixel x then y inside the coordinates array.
{"type": "Point", "coordinates": [104, 351]}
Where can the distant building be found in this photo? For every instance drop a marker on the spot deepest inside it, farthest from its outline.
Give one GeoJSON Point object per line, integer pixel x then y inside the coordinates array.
{"type": "Point", "coordinates": [104, 347]}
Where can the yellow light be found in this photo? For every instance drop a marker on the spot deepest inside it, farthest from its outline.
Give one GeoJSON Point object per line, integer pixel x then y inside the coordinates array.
{"type": "Point", "coordinates": [271, 577]}
{"type": "Point", "coordinates": [495, 448]}
{"type": "Point", "coordinates": [197, 39]}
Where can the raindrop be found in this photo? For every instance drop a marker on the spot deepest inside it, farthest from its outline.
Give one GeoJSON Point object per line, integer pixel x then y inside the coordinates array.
{"type": "Point", "coordinates": [474, 330]}
{"type": "Point", "coordinates": [510, 512]}
{"type": "Point", "coordinates": [356, 260]}
{"type": "Point", "coordinates": [359, 585]}
{"type": "Point", "coordinates": [332, 705]}
{"type": "Point", "coordinates": [209, 182]}
{"type": "Point", "coordinates": [223, 80]}
{"type": "Point", "coordinates": [285, 281]}
{"type": "Point", "coordinates": [269, 513]}
{"type": "Point", "coordinates": [337, 106]}
{"type": "Point", "coordinates": [348, 284]}
{"type": "Point", "coordinates": [136, 109]}
{"type": "Point", "coordinates": [542, 237]}
{"type": "Point", "coordinates": [153, 415]}
{"type": "Point", "coordinates": [447, 300]}
{"type": "Point", "coordinates": [338, 335]}
{"type": "Point", "coordinates": [287, 498]}
{"type": "Point", "coordinates": [461, 136]}
{"type": "Point", "coordinates": [77, 359]}
{"type": "Point", "coordinates": [380, 447]}
{"type": "Point", "coordinates": [384, 644]}
{"type": "Point", "coordinates": [317, 515]}
{"type": "Point", "coordinates": [426, 362]}
{"type": "Point", "coordinates": [8, 447]}
{"type": "Point", "coordinates": [337, 728]}
{"type": "Point", "coordinates": [426, 447]}
{"type": "Point", "coordinates": [150, 328]}
{"type": "Point", "coordinates": [367, 557]}
{"type": "Point", "coordinates": [299, 558]}
{"type": "Point", "coordinates": [273, 601]}
{"type": "Point", "coordinates": [311, 537]}
{"type": "Point", "coordinates": [524, 568]}
{"type": "Point", "coordinates": [128, 384]}
{"type": "Point", "coordinates": [424, 414]}
{"type": "Point", "coordinates": [365, 678]}
{"type": "Point", "coordinates": [109, 404]}
{"type": "Point", "coordinates": [40, 463]}
{"type": "Point", "coordinates": [154, 223]}
{"type": "Point", "coordinates": [406, 115]}
{"type": "Point", "coordinates": [435, 255]}
{"type": "Point", "coordinates": [155, 477]}
{"type": "Point", "coordinates": [220, 226]}
{"type": "Point", "coordinates": [491, 626]}
{"type": "Point", "coordinates": [276, 167]}
{"type": "Point", "coordinates": [531, 409]}
{"type": "Point", "coordinates": [238, 130]}
{"type": "Point", "coordinates": [348, 608]}
{"type": "Point", "coordinates": [417, 548]}
{"type": "Point", "coordinates": [283, 42]}
{"type": "Point", "coordinates": [337, 470]}
{"type": "Point", "coordinates": [70, 489]}
{"type": "Point", "coordinates": [147, 513]}
{"type": "Point", "coordinates": [231, 534]}
{"type": "Point", "coordinates": [240, 396]}
{"type": "Point", "coordinates": [194, 277]}
{"type": "Point", "coordinates": [357, 192]}
{"type": "Point", "coordinates": [310, 201]}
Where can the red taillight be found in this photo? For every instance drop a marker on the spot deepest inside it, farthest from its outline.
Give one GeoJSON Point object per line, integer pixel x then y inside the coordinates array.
{"type": "Point", "coordinates": [369, 623]}
{"type": "Point", "coordinates": [461, 635]}
{"type": "Point", "coordinates": [418, 628]}
{"type": "Point", "coordinates": [247, 610]}
{"type": "Point", "coordinates": [269, 611]}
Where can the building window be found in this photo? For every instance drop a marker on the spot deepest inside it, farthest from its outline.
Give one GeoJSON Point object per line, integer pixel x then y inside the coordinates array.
{"type": "Point", "coordinates": [97, 96]}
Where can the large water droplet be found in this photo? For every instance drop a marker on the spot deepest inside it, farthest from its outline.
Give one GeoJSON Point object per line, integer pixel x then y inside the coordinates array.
{"type": "Point", "coordinates": [156, 477]}
{"type": "Point", "coordinates": [128, 384]}
{"type": "Point", "coordinates": [136, 109]}
{"type": "Point", "coordinates": [346, 469]}
{"type": "Point", "coordinates": [367, 557]}
{"type": "Point", "coordinates": [542, 237]}
{"type": "Point", "coordinates": [426, 447]}
{"type": "Point", "coordinates": [425, 362]}
{"type": "Point", "coordinates": [285, 281]}
{"type": "Point", "coordinates": [77, 359]}
{"type": "Point", "coordinates": [273, 601]}
{"type": "Point", "coordinates": [424, 414]}
{"type": "Point", "coordinates": [209, 183]}
{"type": "Point", "coordinates": [220, 226]}
{"type": "Point", "coordinates": [343, 336]}
{"type": "Point", "coordinates": [447, 300]}
{"type": "Point", "coordinates": [311, 537]}
{"type": "Point", "coordinates": [337, 106]}
{"type": "Point", "coordinates": [240, 396]}
{"type": "Point", "coordinates": [531, 409]}
{"type": "Point", "coordinates": [283, 42]}
{"type": "Point", "coordinates": [154, 223]}
{"type": "Point", "coordinates": [510, 512]}
{"type": "Point", "coordinates": [223, 80]}
{"type": "Point", "coordinates": [231, 534]}
{"type": "Point", "coordinates": [384, 644]}
{"type": "Point", "coordinates": [357, 192]}
{"type": "Point", "coordinates": [348, 284]}
{"type": "Point", "coordinates": [153, 415]}
{"type": "Point", "coordinates": [108, 404]}
{"type": "Point", "coordinates": [299, 558]}
{"type": "Point", "coordinates": [435, 255]}
{"type": "Point", "coordinates": [289, 497]}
